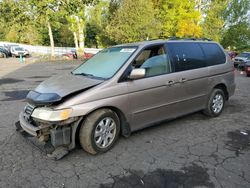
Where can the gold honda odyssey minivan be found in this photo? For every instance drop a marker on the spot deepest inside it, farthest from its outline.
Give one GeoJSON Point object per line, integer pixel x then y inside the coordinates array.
{"type": "Point", "coordinates": [125, 88]}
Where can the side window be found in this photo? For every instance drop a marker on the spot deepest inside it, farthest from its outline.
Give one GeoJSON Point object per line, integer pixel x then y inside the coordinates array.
{"type": "Point", "coordinates": [214, 54]}
{"type": "Point", "coordinates": [154, 59]}
{"type": "Point", "coordinates": [187, 56]}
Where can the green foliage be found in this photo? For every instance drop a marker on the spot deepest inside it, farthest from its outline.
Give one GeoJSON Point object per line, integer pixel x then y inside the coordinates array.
{"type": "Point", "coordinates": [17, 23]}
{"type": "Point", "coordinates": [237, 37]}
{"type": "Point", "coordinates": [133, 21]}
{"type": "Point", "coordinates": [237, 31]}
{"type": "Point", "coordinates": [237, 12]}
{"type": "Point", "coordinates": [213, 25]}
{"type": "Point", "coordinates": [101, 23]}
{"type": "Point", "coordinates": [97, 21]}
{"type": "Point", "coordinates": [180, 18]}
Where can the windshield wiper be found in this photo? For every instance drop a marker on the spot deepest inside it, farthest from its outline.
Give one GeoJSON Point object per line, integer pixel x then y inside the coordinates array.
{"type": "Point", "coordinates": [84, 74]}
{"type": "Point", "coordinates": [89, 75]}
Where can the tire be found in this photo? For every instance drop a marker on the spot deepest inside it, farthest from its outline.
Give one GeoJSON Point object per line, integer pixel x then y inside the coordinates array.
{"type": "Point", "coordinates": [215, 104]}
{"type": "Point", "coordinates": [248, 75]}
{"type": "Point", "coordinates": [96, 134]}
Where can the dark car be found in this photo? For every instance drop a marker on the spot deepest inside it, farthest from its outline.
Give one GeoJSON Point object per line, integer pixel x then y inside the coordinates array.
{"type": "Point", "coordinates": [247, 69]}
{"type": "Point", "coordinates": [241, 60]}
{"type": "Point", "coordinates": [3, 52]}
{"type": "Point", "coordinates": [8, 48]}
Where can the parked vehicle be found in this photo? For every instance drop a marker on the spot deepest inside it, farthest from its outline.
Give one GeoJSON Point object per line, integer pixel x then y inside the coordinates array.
{"type": "Point", "coordinates": [17, 51]}
{"type": "Point", "coordinates": [8, 48]}
{"type": "Point", "coordinates": [87, 55]}
{"type": "Point", "coordinates": [232, 54]}
{"type": "Point", "coordinates": [126, 88]}
{"type": "Point", "coordinates": [247, 69]}
{"type": "Point", "coordinates": [241, 60]}
{"type": "Point", "coordinates": [70, 55]}
{"type": "Point", "coordinates": [73, 55]}
{"type": "Point", "coordinates": [3, 52]}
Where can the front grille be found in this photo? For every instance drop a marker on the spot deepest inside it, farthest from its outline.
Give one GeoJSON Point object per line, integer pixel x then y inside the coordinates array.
{"type": "Point", "coordinates": [28, 109]}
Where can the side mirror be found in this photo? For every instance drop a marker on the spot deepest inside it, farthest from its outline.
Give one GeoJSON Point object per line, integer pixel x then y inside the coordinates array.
{"type": "Point", "coordinates": [137, 74]}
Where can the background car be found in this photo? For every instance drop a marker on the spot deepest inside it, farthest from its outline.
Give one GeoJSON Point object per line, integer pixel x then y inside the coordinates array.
{"type": "Point", "coordinates": [73, 55]}
{"type": "Point", "coordinates": [70, 55]}
{"type": "Point", "coordinates": [247, 69]}
{"type": "Point", "coordinates": [241, 59]}
{"type": "Point", "coordinates": [3, 52]}
{"type": "Point", "coordinates": [232, 54]}
{"type": "Point", "coordinates": [17, 51]}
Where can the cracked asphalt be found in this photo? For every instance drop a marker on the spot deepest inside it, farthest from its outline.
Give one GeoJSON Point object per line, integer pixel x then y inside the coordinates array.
{"type": "Point", "coordinates": [192, 151]}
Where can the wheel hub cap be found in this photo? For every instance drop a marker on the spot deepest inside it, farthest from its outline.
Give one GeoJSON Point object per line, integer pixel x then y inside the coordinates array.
{"type": "Point", "coordinates": [218, 103]}
{"type": "Point", "coordinates": [105, 132]}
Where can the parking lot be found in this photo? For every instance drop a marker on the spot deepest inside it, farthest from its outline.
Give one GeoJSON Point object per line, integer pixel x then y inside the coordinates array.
{"type": "Point", "coordinates": [192, 151]}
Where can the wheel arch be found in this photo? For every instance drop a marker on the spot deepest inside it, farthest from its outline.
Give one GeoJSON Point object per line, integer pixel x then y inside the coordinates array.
{"type": "Point", "coordinates": [223, 87]}
{"type": "Point", "coordinates": [124, 125]}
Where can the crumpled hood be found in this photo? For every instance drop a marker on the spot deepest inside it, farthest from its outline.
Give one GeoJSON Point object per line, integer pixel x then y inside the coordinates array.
{"type": "Point", "coordinates": [57, 87]}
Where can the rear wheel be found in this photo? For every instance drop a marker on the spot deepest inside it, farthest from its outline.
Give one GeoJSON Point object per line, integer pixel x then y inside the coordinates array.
{"type": "Point", "coordinates": [99, 131]}
{"type": "Point", "coordinates": [215, 103]}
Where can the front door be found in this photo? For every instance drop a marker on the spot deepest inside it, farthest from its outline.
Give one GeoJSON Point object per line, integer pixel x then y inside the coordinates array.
{"type": "Point", "coordinates": [153, 98]}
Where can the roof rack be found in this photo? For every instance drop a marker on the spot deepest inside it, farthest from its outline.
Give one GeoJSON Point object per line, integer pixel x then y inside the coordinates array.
{"type": "Point", "coordinates": [178, 38]}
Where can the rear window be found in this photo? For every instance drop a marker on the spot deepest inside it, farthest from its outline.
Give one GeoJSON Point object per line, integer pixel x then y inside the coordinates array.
{"type": "Point", "coordinates": [214, 54]}
{"type": "Point", "coordinates": [187, 56]}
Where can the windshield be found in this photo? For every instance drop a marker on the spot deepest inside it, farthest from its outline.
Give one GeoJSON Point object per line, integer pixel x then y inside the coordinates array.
{"type": "Point", "coordinates": [19, 49]}
{"type": "Point", "coordinates": [247, 55]}
{"type": "Point", "coordinates": [105, 63]}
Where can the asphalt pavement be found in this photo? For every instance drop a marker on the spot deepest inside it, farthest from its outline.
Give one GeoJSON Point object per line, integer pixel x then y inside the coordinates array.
{"type": "Point", "coordinates": [192, 151]}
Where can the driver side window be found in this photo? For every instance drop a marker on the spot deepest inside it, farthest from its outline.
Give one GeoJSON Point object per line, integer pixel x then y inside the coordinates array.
{"type": "Point", "coordinates": [155, 60]}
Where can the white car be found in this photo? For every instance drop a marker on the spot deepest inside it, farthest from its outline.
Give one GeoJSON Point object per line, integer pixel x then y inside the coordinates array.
{"type": "Point", "coordinates": [18, 51]}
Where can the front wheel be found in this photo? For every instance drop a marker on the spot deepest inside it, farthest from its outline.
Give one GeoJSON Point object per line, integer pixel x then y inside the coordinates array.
{"type": "Point", "coordinates": [99, 131]}
{"type": "Point", "coordinates": [2, 55]}
{"type": "Point", "coordinates": [215, 103]}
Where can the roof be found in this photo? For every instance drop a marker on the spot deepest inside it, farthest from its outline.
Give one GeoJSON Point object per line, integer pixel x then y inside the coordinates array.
{"type": "Point", "coordinates": [161, 41]}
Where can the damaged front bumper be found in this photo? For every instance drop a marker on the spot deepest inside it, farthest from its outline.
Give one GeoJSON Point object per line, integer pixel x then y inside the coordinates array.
{"type": "Point", "coordinates": [54, 140]}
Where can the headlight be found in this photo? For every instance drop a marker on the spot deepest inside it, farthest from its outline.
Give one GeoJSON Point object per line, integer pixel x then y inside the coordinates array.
{"type": "Point", "coordinates": [51, 115]}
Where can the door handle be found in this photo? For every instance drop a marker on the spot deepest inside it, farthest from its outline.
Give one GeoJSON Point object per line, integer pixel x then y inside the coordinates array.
{"type": "Point", "coordinates": [170, 83]}
{"type": "Point", "coordinates": [182, 80]}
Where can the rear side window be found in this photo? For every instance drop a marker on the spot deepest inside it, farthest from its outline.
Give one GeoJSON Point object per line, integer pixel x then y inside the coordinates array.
{"type": "Point", "coordinates": [214, 54]}
{"type": "Point", "coordinates": [187, 56]}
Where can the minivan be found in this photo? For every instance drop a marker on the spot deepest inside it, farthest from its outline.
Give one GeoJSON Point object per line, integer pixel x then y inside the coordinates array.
{"type": "Point", "coordinates": [125, 88]}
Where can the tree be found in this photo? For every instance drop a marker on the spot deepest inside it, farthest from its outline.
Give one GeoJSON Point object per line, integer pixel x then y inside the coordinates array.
{"type": "Point", "coordinates": [180, 18]}
{"type": "Point", "coordinates": [237, 29]}
{"type": "Point", "coordinates": [17, 23]}
{"type": "Point", "coordinates": [237, 12]}
{"type": "Point", "coordinates": [98, 17]}
{"type": "Point", "coordinates": [214, 21]}
{"type": "Point", "coordinates": [46, 12]}
{"type": "Point", "coordinates": [74, 11]}
{"type": "Point", "coordinates": [133, 21]}
{"type": "Point", "coordinates": [237, 37]}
